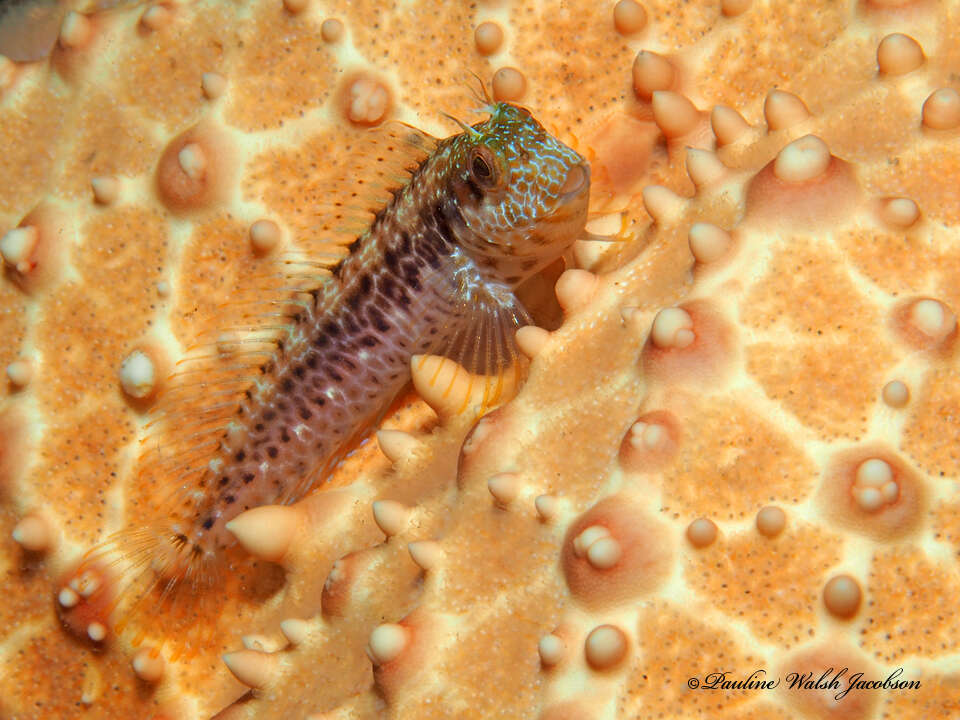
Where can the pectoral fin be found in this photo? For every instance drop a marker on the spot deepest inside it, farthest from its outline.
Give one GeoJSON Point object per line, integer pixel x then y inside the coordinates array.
{"type": "Point", "coordinates": [480, 338]}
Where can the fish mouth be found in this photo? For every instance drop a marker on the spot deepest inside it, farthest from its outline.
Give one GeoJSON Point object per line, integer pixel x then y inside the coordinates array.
{"type": "Point", "coordinates": [578, 180]}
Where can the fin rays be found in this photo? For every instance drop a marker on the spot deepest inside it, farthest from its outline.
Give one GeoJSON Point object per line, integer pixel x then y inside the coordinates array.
{"type": "Point", "coordinates": [482, 342]}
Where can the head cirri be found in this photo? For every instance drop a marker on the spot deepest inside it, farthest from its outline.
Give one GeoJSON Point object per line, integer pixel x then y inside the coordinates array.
{"type": "Point", "coordinates": [521, 192]}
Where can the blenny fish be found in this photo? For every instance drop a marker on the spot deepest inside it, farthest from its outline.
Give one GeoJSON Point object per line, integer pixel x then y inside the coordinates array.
{"type": "Point", "coordinates": [435, 273]}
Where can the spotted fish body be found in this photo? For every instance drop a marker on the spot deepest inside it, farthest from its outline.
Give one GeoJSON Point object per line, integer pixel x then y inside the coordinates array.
{"type": "Point", "coordinates": [434, 273]}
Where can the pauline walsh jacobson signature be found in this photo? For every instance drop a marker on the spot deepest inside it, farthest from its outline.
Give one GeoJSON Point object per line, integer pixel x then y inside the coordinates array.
{"type": "Point", "coordinates": [843, 681]}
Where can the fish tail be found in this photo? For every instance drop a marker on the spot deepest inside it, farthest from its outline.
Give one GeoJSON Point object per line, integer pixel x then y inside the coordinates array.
{"type": "Point", "coordinates": [140, 585]}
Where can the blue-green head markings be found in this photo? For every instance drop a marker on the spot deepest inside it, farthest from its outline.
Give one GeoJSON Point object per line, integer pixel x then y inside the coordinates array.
{"type": "Point", "coordinates": [522, 194]}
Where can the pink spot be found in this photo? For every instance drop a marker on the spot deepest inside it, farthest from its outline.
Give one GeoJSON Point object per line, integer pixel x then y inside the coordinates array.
{"type": "Point", "coordinates": [193, 170]}
{"type": "Point", "coordinates": [830, 196]}
{"type": "Point", "coordinates": [650, 443]}
{"type": "Point", "coordinates": [873, 492]}
{"type": "Point", "coordinates": [643, 559]}
{"type": "Point", "coordinates": [84, 600]}
{"type": "Point", "coordinates": [702, 352]}
{"type": "Point", "coordinates": [409, 655]}
{"type": "Point", "coordinates": [31, 252]}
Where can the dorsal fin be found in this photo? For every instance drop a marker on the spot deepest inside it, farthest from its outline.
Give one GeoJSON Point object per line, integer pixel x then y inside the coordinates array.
{"type": "Point", "coordinates": [416, 145]}
{"type": "Point", "coordinates": [388, 155]}
{"type": "Point", "coordinates": [377, 163]}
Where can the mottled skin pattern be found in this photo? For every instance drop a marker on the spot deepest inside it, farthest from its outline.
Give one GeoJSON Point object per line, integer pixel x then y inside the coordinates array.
{"type": "Point", "coordinates": [434, 274]}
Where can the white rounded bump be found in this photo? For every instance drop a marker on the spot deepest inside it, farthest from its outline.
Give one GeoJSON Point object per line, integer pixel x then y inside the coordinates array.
{"type": "Point", "coordinates": [875, 486]}
{"type": "Point", "coordinates": [138, 375]}
{"type": "Point", "coordinates": [391, 517]}
{"type": "Point", "coordinates": [900, 212]}
{"type": "Point", "coordinates": [674, 114]}
{"type": "Point", "coordinates": [17, 246]}
{"type": "Point", "coordinates": [606, 225]}
{"type": "Point", "coordinates": [106, 190]}
{"type": "Point", "coordinates": [20, 372]}
{"type": "Point", "coordinates": [704, 167]}
{"type": "Point", "coordinates": [551, 649]}
{"type": "Point", "coordinates": [898, 54]}
{"type": "Point", "coordinates": [547, 506]}
{"type": "Point", "coordinates": [531, 340]}
{"type": "Point", "coordinates": [782, 109]}
{"type": "Point", "coordinates": [629, 17]}
{"type": "Point", "coordinates": [387, 642]}
{"type": "Point", "coordinates": [193, 160]}
{"type": "Point", "coordinates": [605, 553]}
{"type": "Point", "coordinates": [426, 553]}
{"type": "Point", "coordinates": [156, 17]}
{"type": "Point", "coordinates": [75, 30]}
{"type": "Point", "coordinates": [648, 436]}
{"type": "Point", "coordinates": [213, 85]}
{"type": "Point", "coordinates": [651, 72]}
{"type": "Point", "coordinates": [588, 253]}
{"type": "Point", "coordinates": [33, 534]}
{"type": "Point", "coordinates": [251, 667]}
{"type": "Point", "coordinates": [896, 394]}
{"type": "Point", "coordinates": [728, 125]}
{"type": "Point", "coordinates": [148, 664]}
{"type": "Point", "coordinates": [941, 110]}
{"type": "Point", "coordinates": [804, 159]}
{"type": "Point", "coordinates": [932, 318]}
{"type": "Point", "coordinates": [368, 101]}
{"type": "Point", "coordinates": [605, 647]}
{"type": "Point", "coordinates": [265, 236]}
{"type": "Point", "coordinates": [771, 521]}
{"type": "Point", "coordinates": [663, 204]}
{"type": "Point", "coordinates": [397, 445]}
{"type": "Point", "coordinates": [504, 487]}
{"type": "Point", "coordinates": [587, 537]}
{"type": "Point", "coordinates": [702, 532]}
{"type": "Point", "coordinates": [295, 630]}
{"type": "Point", "coordinates": [672, 329]}
{"type": "Point", "coordinates": [708, 243]}
{"type": "Point", "coordinates": [267, 531]}
{"type": "Point", "coordinates": [68, 597]}
{"type": "Point", "coordinates": [575, 289]}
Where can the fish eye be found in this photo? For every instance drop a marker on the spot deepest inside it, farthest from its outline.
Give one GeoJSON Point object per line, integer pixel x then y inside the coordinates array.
{"type": "Point", "coordinates": [482, 167]}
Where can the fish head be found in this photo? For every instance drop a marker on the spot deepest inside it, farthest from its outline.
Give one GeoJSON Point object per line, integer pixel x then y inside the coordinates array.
{"type": "Point", "coordinates": [521, 192]}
